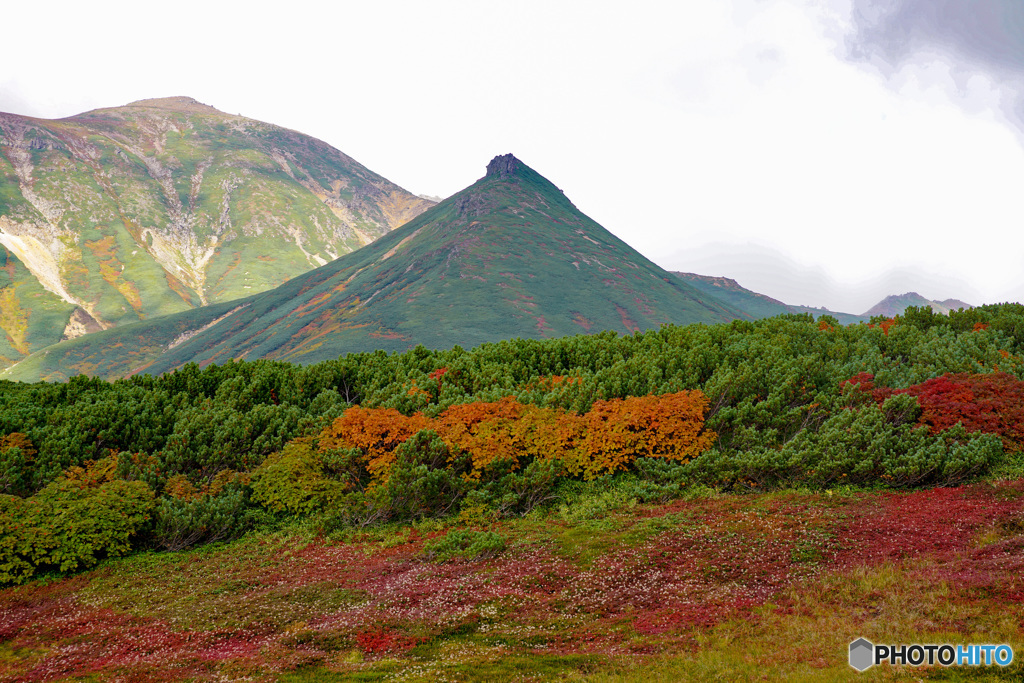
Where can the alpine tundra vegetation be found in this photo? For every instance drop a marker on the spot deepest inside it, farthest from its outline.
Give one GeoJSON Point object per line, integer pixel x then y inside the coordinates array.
{"type": "Point", "coordinates": [705, 501]}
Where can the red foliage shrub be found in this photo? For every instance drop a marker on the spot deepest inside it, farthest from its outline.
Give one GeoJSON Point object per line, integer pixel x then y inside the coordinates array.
{"type": "Point", "coordinates": [866, 380]}
{"type": "Point", "coordinates": [381, 640]}
{"type": "Point", "coordinates": [885, 325]}
{"type": "Point", "coordinates": [990, 403]}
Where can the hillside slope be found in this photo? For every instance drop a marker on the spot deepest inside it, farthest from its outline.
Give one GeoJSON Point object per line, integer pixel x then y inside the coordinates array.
{"type": "Point", "coordinates": [754, 305]}
{"type": "Point", "coordinates": [509, 256]}
{"type": "Point", "coordinates": [163, 205]}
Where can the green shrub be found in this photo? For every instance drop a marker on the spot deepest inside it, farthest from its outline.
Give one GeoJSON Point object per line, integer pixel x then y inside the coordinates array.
{"type": "Point", "coordinates": [467, 545]}
{"type": "Point", "coordinates": [516, 493]}
{"type": "Point", "coordinates": [295, 480]}
{"type": "Point", "coordinates": [72, 522]}
{"type": "Point", "coordinates": [421, 483]}
{"type": "Point", "coordinates": [15, 541]}
{"type": "Point", "coordinates": [596, 499]}
{"type": "Point", "coordinates": [660, 479]}
{"type": "Point", "coordinates": [868, 446]}
{"type": "Point", "coordinates": [179, 524]}
{"type": "Point", "coordinates": [15, 472]}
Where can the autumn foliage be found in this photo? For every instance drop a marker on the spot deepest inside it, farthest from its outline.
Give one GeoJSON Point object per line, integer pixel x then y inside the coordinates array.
{"type": "Point", "coordinates": [885, 325]}
{"type": "Point", "coordinates": [608, 438]}
{"type": "Point", "coordinates": [988, 403]}
{"type": "Point", "coordinates": [668, 426]}
{"type": "Point", "coordinates": [375, 431]}
{"type": "Point", "coordinates": [991, 403]}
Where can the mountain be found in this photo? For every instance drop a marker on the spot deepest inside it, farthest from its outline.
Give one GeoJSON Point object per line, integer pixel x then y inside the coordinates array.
{"type": "Point", "coordinates": [754, 305]}
{"type": "Point", "coordinates": [894, 305]}
{"type": "Point", "coordinates": [510, 256]}
{"type": "Point", "coordinates": [123, 214]}
{"type": "Point", "coordinates": [843, 318]}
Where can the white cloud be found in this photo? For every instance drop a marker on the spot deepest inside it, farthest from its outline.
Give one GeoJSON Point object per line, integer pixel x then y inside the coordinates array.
{"type": "Point", "coordinates": [678, 126]}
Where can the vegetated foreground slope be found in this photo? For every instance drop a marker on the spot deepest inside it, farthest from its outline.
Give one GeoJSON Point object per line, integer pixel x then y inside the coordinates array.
{"type": "Point", "coordinates": [508, 257]}
{"type": "Point", "coordinates": [163, 205]}
{"type": "Point", "coordinates": [605, 587]}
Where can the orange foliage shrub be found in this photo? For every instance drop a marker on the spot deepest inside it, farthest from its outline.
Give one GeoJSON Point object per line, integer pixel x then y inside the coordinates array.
{"type": "Point", "coordinates": [20, 441]}
{"type": "Point", "coordinates": [551, 433]}
{"type": "Point", "coordinates": [377, 431]}
{"type": "Point", "coordinates": [885, 325]}
{"type": "Point", "coordinates": [608, 438]}
{"type": "Point", "coordinates": [668, 426]}
{"type": "Point", "coordinates": [484, 430]}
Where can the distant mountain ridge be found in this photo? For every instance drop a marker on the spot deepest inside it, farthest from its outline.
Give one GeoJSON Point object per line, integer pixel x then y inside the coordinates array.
{"type": "Point", "coordinates": [754, 305]}
{"type": "Point", "coordinates": [123, 214]}
{"type": "Point", "coordinates": [510, 256]}
{"type": "Point", "coordinates": [761, 306]}
{"type": "Point", "coordinates": [895, 304]}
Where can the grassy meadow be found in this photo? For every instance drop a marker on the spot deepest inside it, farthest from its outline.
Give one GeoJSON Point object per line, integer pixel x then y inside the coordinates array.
{"type": "Point", "coordinates": [599, 587]}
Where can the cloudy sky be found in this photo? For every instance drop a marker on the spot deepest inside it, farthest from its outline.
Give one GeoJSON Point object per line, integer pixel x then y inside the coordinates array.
{"type": "Point", "coordinates": [825, 152]}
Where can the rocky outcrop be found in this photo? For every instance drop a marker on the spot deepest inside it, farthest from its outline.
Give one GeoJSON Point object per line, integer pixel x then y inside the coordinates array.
{"type": "Point", "coordinates": [503, 166]}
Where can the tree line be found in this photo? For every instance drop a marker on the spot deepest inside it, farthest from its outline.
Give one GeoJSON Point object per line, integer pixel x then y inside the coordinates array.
{"type": "Point", "coordinates": [202, 454]}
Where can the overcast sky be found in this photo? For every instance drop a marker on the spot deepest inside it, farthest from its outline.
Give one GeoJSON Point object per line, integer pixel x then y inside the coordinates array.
{"type": "Point", "coordinates": [824, 152]}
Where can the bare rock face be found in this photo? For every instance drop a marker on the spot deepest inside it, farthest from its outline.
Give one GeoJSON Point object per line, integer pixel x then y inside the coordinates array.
{"type": "Point", "coordinates": [472, 205]}
{"type": "Point", "coordinates": [503, 166]}
{"type": "Point", "coordinates": [80, 324]}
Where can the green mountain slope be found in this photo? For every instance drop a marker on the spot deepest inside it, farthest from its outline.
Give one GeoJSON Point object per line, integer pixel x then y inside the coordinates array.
{"type": "Point", "coordinates": [754, 305]}
{"type": "Point", "coordinates": [509, 256]}
{"type": "Point", "coordinates": [164, 205]}
{"type": "Point", "coordinates": [28, 312]}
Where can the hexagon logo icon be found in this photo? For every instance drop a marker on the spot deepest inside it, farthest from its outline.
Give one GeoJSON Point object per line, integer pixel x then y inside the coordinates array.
{"type": "Point", "coordinates": [862, 654]}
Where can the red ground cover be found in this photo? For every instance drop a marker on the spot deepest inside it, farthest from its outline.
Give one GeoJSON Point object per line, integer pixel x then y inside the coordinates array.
{"type": "Point", "coordinates": [721, 559]}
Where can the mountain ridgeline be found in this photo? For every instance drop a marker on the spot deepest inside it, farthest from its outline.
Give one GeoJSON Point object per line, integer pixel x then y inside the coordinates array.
{"type": "Point", "coordinates": [897, 303]}
{"type": "Point", "coordinates": [124, 214]}
{"type": "Point", "coordinates": [509, 256]}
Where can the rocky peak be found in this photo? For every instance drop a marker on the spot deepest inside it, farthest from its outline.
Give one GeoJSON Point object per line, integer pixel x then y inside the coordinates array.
{"type": "Point", "coordinates": [180, 103]}
{"type": "Point", "coordinates": [503, 166]}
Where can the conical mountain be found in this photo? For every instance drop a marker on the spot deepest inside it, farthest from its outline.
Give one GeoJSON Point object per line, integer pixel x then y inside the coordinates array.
{"type": "Point", "coordinates": [123, 214]}
{"type": "Point", "coordinates": [510, 256]}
